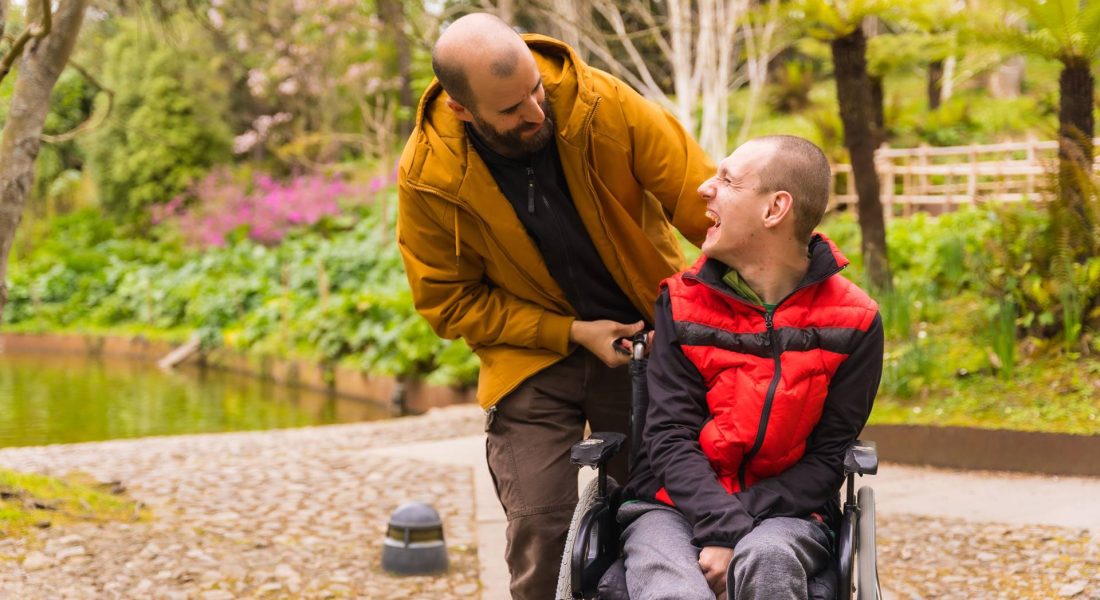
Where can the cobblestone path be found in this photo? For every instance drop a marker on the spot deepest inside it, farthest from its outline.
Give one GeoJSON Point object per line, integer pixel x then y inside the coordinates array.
{"type": "Point", "coordinates": [280, 514]}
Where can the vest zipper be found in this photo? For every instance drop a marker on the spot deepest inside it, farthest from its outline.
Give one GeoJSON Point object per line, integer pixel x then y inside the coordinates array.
{"type": "Point", "coordinates": [765, 413]}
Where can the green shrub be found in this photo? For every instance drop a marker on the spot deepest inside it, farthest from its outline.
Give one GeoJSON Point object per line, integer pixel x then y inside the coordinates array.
{"type": "Point", "coordinates": [168, 124]}
{"type": "Point", "coordinates": [336, 293]}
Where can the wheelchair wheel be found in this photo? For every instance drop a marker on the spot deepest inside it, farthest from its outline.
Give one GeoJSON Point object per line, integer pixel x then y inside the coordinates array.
{"type": "Point", "coordinates": [868, 586]}
{"type": "Point", "coordinates": [591, 545]}
{"type": "Point", "coordinates": [846, 554]}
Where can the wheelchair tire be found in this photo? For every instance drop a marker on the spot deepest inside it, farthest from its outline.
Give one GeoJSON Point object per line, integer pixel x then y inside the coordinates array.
{"type": "Point", "coordinates": [868, 587]}
{"type": "Point", "coordinates": [577, 577]}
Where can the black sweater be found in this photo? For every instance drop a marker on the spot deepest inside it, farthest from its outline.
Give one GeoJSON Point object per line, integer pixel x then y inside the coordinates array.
{"type": "Point", "coordinates": [535, 186]}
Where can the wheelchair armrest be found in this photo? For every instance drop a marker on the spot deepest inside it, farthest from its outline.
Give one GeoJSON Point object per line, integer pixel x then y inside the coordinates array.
{"type": "Point", "coordinates": [861, 458]}
{"type": "Point", "coordinates": [597, 449]}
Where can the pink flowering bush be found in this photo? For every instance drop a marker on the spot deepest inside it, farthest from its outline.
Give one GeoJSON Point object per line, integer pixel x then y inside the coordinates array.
{"type": "Point", "coordinates": [263, 208]}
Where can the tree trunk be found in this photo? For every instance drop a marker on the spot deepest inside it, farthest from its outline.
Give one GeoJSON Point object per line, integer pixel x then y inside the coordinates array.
{"type": "Point", "coordinates": [935, 84]}
{"type": "Point", "coordinates": [949, 65]}
{"type": "Point", "coordinates": [39, 69]}
{"type": "Point", "coordinates": [393, 15]}
{"type": "Point", "coordinates": [878, 109]}
{"type": "Point", "coordinates": [854, 97]}
{"type": "Point", "coordinates": [1075, 131]}
{"type": "Point", "coordinates": [1075, 120]}
{"type": "Point", "coordinates": [681, 39]}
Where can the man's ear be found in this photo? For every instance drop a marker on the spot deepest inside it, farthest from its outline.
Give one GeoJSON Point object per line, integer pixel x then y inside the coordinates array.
{"type": "Point", "coordinates": [780, 205]}
{"type": "Point", "coordinates": [459, 110]}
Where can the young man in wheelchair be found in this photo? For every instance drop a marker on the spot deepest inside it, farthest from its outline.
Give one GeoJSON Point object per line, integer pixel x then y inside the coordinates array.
{"type": "Point", "coordinates": [763, 370]}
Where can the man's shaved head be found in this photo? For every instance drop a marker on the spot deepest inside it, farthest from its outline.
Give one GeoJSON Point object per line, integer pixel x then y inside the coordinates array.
{"type": "Point", "coordinates": [478, 41]}
{"type": "Point", "coordinates": [798, 167]}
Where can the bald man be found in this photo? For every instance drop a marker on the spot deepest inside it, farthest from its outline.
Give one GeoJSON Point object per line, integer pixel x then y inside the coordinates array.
{"type": "Point", "coordinates": [539, 199]}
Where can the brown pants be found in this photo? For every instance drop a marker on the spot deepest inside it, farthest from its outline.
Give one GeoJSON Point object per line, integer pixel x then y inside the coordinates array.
{"type": "Point", "coordinates": [529, 437]}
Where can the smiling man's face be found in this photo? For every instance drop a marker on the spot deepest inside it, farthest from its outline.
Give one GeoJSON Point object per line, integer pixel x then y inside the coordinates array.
{"type": "Point", "coordinates": [735, 201]}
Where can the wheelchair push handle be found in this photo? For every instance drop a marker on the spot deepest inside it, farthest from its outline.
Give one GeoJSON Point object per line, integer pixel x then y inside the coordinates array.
{"type": "Point", "coordinates": [638, 344]}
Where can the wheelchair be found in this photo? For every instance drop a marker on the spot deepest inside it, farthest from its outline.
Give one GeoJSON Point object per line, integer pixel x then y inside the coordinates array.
{"type": "Point", "coordinates": [592, 547]}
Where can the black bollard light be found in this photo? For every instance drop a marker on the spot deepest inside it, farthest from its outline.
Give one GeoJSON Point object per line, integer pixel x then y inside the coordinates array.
{"type": "Point", "coordinates": [414, 541]}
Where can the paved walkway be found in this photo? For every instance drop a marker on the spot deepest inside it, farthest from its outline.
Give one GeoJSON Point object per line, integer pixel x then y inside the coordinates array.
{"type": "Point", "coordinates": [280, 514]}
{"type": "Point", "coordinates": [942, 533]}
{"type": "Point", "coordinates": [301, 514]}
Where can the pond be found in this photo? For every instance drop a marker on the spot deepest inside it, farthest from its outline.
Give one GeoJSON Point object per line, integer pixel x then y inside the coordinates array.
{"type": "Point", "coordinates": [62, 399]}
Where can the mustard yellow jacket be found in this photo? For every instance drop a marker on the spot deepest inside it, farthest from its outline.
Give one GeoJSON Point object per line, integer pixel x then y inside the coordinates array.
{"type": "Point", "coordinates": [476, 274]}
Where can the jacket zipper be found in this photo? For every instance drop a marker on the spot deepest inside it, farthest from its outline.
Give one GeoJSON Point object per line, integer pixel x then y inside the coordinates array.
{"type": "Point", "coordinates": [765, 413]}
{"type": "Point", "coordinates": [530, 190]}
{"type": "Point", "coordinates": [599, 212]}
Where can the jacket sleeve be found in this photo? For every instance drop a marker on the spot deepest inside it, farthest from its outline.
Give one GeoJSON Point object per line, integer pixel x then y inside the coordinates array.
{"type": "Point", "coordinates": [677, 412]}
{"type": "Point", "coordinates": [452, 293]}
{"type": "Point", "coordinates": [816, 477]}
{"type": "Point", "coordinates": [668, 162]}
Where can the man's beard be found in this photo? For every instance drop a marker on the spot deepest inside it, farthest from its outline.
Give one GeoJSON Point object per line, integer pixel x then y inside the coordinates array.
{"type": "Point", "coordinates": [511, 142]}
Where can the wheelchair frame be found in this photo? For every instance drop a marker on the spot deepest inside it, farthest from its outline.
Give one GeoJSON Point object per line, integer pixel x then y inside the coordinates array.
{"type": "Point", "coordinates": [592, 544]}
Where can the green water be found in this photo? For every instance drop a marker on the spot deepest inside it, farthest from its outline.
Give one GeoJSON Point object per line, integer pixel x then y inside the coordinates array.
{"type": "Point", "coordinates": [61, 399]}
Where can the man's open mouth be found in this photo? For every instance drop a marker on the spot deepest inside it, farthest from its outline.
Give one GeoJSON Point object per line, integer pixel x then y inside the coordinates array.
{"type": "Point", "coordinates": [713, 216]}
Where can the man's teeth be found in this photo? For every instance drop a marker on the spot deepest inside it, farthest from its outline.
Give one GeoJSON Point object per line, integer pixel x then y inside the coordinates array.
{"type": "Point", "coordinates": [713, 216]}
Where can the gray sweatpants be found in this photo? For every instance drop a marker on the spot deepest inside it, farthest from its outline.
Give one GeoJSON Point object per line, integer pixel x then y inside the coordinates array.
{"type": "Point", "coordinates": [774, 561]}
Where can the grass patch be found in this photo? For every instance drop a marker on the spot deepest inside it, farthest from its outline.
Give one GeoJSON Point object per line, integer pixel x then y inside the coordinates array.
{"type": "Point", "coordinates": [1049, 394]}
{"type": "Point", "coordinates": [29, 501]}
{"type": "Point", "coordinates": [945, 373]}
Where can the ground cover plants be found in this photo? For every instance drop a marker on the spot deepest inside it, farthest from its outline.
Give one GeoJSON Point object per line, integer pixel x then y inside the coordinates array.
{"type": "Point", "coordinates": [335, 291]}
{"type": "Point", "coordinates": [981, 327]}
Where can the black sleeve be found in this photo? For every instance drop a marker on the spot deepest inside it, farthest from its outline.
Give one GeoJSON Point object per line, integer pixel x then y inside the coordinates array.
{"type": "Point", "coordinates": [677, 412]}
{"type": "Point", "coordinates": [816, 477]}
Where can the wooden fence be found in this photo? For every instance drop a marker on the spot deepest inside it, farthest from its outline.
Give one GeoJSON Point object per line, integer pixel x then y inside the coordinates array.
{"type": "Point", "coordinates": [940, 178]}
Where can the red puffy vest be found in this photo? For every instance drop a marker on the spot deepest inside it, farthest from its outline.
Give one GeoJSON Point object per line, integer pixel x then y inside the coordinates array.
{"type": "Point", "coordinates": [767, 376]}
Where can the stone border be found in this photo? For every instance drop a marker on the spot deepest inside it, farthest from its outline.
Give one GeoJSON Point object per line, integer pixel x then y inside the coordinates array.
{"type": "Point", "coordinates": [971, 448]}
{"type": "Point", "coordinates": [418, 397]}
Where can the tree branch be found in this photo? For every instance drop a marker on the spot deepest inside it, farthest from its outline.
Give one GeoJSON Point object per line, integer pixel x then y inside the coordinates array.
{"type": "Point", "coordinates": [36, 32]}
{"type": "Point", "coordinates": [651, 23]}
{"type": "Point", "coordinates": [3, 17]}
{"type": "Point", "coordinates": [615, 19]}
{"type": "Point", "coordinates": [87, 125]}
{"type": "Point", "coordinates": [47, 20]}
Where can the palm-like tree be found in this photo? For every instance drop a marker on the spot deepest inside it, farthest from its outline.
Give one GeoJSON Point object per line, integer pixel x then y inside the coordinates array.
{"type": "Point", "coordinates": [1067, 31]}
{"type": "Point", "coordinates": [840, 24]}
{"type": "Point", "coordinates": [935, 26]}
